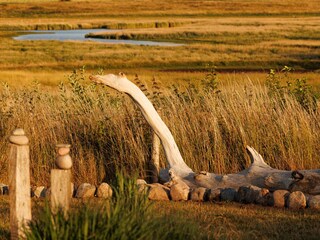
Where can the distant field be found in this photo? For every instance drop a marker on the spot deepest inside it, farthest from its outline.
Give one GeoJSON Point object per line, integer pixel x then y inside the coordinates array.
{"type": "Point", "coordinates": [229, 35]}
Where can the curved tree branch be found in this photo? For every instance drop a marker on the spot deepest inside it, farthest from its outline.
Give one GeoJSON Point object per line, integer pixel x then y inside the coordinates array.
{"type": "Point", "coordinates": [172, 152]}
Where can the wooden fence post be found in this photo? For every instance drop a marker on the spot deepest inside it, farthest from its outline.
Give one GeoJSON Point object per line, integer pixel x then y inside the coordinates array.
{"type": "Point", "coordinates": [61, 180]}
{"type": "Point", "coordinates": [19, 183]}
{"type": "Point", "coordinates": [155, 159]}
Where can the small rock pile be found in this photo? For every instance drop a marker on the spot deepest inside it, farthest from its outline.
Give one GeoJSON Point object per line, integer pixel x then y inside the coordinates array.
{"type": "Point", "coordinates": [85, 190]}
{"type": "Point", "coordinates": [179, 191]}
{"type": "Point", "coordinates": [245, 194]}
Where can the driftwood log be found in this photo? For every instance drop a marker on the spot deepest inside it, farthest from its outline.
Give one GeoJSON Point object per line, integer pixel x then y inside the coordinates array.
{"type": "Point", "coordinates": [258, 174]}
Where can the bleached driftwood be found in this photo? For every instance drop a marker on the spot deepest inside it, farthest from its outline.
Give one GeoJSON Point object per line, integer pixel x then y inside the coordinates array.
{"type": "Point", "coordinates": [259, 173]}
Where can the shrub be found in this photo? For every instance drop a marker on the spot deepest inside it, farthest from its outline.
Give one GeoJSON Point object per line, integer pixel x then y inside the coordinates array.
{"type": "Point", "coordinates": [298, 88]}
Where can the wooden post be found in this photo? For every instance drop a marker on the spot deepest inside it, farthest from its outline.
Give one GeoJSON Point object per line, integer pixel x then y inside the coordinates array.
{"type": "Point", "coordinates": [155, 159]}
{"type": "Point", "coordinates": [61, 180]}
{"type": "Point", "coordinates": [19, 183]}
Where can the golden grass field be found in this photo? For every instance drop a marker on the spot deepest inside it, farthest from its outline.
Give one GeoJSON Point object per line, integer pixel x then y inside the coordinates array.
{"type": "Point", "coordinates": [44, 89]}
{"type": "Point", "coordinates": [242, 40]}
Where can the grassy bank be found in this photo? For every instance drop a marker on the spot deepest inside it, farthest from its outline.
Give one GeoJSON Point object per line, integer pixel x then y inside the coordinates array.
{"type": "Point", "coordinates": [147, 8]}
{"type": "Point", "coordinates": [255, 35]}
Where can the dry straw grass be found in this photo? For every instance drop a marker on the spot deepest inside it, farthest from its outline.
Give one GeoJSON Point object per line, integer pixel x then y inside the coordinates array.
{"type": "Point", "coordinates": [107, 131]}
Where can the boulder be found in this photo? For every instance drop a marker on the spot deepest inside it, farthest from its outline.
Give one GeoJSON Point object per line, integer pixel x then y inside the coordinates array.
{"type": "Point", "coordinates": [199, 194]}
{"type": "Point", "coordinates": [19, 140]}
{"type": "Point", "coordinates": [141, 181]}
{"type": "Point", "coordinates": [4, 189]}
{"type": "Point", "coordinates": [314, 202]}
{"type": "Point", "coordinates": [104, 191]}
{"type": "Point", "coordinates": [158, 192]}
{"type": "Point", "coordinates": [85, 190]}
{"type": "Point", "coordinates": [296, 200]}
{"type": "Point", "coordinates": [264, 197]}
{"type": "Point", "coordinates": [179, 192]}
{"type": "Point", "coordinates": [228, 194]}
{"type": "Point", "coordinates": [214, 195]}
{"type": "Point", "coordinates": [39, 192]}
{"type": "Point", "coordinates": [280, 197]}
{"type": "Point", "coordinates": [142, 185]}
{"type": "Point", "coordinates": [248, 194]}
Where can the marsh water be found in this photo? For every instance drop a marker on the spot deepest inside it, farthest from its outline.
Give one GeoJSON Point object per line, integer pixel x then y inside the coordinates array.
{"type": "Point", "coordinates": [79, 35]}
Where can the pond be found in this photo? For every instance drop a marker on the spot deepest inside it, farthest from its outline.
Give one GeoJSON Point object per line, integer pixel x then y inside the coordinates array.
{"type": "Point", "coordinates": [79, 35]}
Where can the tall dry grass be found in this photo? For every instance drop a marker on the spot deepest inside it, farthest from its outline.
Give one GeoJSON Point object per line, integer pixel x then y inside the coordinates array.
{"type": "Point", "coordinates": [108, 132]}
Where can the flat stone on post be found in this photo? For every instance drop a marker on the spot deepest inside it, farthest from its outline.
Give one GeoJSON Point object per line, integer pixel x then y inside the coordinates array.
{"type": "Point", "coordinates": [63, 151]}
{"type": "Point", "coordinates": [18, 132]}
{"type": "Point", "coordinates": [19, 183]}
{"type": "Point", "coordinates": [19, 140]}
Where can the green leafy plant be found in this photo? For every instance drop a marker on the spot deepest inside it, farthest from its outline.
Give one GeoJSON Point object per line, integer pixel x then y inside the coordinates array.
{"type": "Point", "coordinates": [297, 88]}
{"type": "Point", "coordinates": [210, 82]}
{"type": "Point", "coordinates": [128, 215]}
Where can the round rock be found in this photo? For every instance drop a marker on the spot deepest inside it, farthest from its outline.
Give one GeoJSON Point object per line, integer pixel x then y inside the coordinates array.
{"type": "Point", "coordinates": [179, 192]}
{"type": "Point", "coordinates": [280, 197]}
{"type": "Point", "coordinates": [104, 191]}
{"type": "Point", "coordinates": [64, 162]}
{"type": "Point", "coordinates": [214, 195]}
{"type": "Point", "coordinates": [296, 200]}
{"type": "Point", "coordinates": [314, 202]}
{"type": "Point", "coordinates": [228, 194]}
{"type": "Point", "coordinates": [18, 132]}
{"type": "Point", "coordinates": [199, 194]}
{"type": "Point", "coordinates": [85, 190]}
{"type": "Point", "coordinates": [156, 192]}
